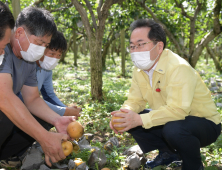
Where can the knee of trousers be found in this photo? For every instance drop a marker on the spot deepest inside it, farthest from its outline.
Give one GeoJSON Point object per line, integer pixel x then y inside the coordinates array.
{"type": "Point", "coordinates": [173, 132]}
{"type": "Point", "coordinates": [7, 125]}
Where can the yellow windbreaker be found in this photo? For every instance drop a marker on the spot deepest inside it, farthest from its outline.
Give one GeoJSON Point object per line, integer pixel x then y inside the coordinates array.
{"type": "Point", "coordinates": [177, 91]}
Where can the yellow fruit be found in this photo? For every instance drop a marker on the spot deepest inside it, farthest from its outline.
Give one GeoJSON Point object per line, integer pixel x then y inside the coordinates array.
{"type": "Point", "coordinates": [115, 123]}
{"type": "Point", "coordinates": [75, 130]}
{"type": "Point", "coordinates": [78, 161]}
{"type": "Point", "coordinates": [67, 147]}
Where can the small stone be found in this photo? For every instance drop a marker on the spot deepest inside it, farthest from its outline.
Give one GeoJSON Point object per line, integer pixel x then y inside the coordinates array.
{"type": "Point", "coordinates": [219, 104]}
{"type": "Point", "coordinates": [110, 143]}
{"type": "Point", "coordinates": [206, 81]}
{"type": "Point", "coordinates": [60, 166]}
{"type": "Point", "coordinates": [44, 167]}
{"type": "Point", "coordinates": [219, 84]}
{"type": "Point", "coordinates": [68, 89]}
{"type": "Point", "coordinates": [214, 88]}
{"type": "Point", "coordinates": [83, 141]}
{"type": "Point", "coordinates": [133, 161]}
{"type": "Point", "coordinates": [33, 159]}
{"type": "Point", "coordinates": [99, 157]}
{"type": "Point", "coordinates": [71, 164]}
{"type": "Point", "coordinates": [202, 72]}
{"type": "Point", "coordinates": [83, 147]}
{"type": "Point", "coordinates": [219, 80]}
{"type": "Point", "coordinates": [89, 136]}
{"type": "Point", "coordinates": [143, 160]}
{"type": "Point", "coordinates": [213, 84]}
{"type": "Point", "coordinates": [134, 149]}
{"type": "Point", "coordinates": [81, 166]}
{"type": "Point", "coordinates": [211, 79]}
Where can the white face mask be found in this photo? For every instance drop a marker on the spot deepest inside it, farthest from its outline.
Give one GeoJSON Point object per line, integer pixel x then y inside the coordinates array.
{"type": "Point", "coordinates": [1, 58]}
{"type": "Point", "coordinates": [34, 52]}
{"type": "Point", "coordinates": [49, 63]}
{"type": "Point", "coordinates": [142, 59]}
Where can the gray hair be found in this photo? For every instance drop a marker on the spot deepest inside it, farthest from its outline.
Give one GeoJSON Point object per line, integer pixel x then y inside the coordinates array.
{"type": "Point", "coordinates": [36, 21]}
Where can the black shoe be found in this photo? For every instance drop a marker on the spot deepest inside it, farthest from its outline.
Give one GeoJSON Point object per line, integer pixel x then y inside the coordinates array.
{"type": "Point", "coordinates": [164, 158]}
{"type": "Point", "coordinates": [201, 167]}
{"type": "Point", "coordinates": [12, 162]}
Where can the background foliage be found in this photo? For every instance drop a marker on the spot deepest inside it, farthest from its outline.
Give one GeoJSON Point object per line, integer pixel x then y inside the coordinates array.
{"type": "Point", "coordinates": [187, 25]}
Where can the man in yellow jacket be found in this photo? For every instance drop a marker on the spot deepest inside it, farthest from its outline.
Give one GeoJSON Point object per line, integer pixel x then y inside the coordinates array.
{"type": "Point", "coordinates": [182, 118]}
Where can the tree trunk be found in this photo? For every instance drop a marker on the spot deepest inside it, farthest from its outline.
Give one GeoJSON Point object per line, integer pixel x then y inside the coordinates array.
{"type": "Point", "coordinates": [68, 47]}
{"type": "Point", "coordinates": [104, 54]}
{"type": "Point", "coordinates": [75, 50]}
{"type": "Point", "coordinates": [95, 32]}
{"type": "Point", "coordinates": [216, 62]}
{"type": "Point", "coordinates": [206, 57]}
{"type": "Point", "coordinates": [113, 47]}
{"type": "Point", "coordinates": [16, 8]}
{"type": "Point", "coordinates": [96, 68]}
{"type": "Point", "coordinates": [62, 1]}
{"type": "Point", "coordinates": [122, 38]}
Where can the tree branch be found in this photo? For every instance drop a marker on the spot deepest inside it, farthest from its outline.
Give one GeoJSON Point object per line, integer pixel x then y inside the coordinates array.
{"type": "Point", "coordinates": [99, 8]}
{"type": "Point", "coordinates": [88, 5]}
{"type": "Point", "coordinates": [169, 34]}
{"type": "Point", "coordinates": [62, 8]}
{"type": "Point", "coordinates": [182, 10]}
{"type": "Point", "coordinates": [217, 25]}
{"type": "Point", "coordinates": [212, 55]}
{"type": "Point", "coordinates": [36, 3]}
{"type": "Point", "coordinates": [210, 36]}
{"type": "Point", "coordinates": [192, 28]}
{"type": "Point", "coordinates": [104, 13]}
{"type": "Point", "coordinates": [84, 17]}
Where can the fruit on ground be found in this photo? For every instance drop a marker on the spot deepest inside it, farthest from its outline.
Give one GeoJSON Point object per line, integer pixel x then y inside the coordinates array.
{"type": "Point", "coordinates": [67, 147]}
{"type": "Point", "coordinates": [75, 130]}
{"type": "Point", "coordinates": [78, 161]}
{"type": "Point", "coordinates": [105, 169]}
{"type": "Point", "coordinates": [115, 123]}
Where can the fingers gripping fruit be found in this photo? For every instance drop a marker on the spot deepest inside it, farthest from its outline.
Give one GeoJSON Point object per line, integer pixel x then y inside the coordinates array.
{"type": "Point", "coordinates": [67, 147]}
{"type": "Point", "coordinates": [115, 123]}
{"type": "Point", "coordinates": [75, 130]}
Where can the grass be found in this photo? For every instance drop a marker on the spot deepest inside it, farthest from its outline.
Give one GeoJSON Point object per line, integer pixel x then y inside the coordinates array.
{"type": "Point", "coordinates": [115, 90]}
{"type": "Point", "coordinates": [72, 86]}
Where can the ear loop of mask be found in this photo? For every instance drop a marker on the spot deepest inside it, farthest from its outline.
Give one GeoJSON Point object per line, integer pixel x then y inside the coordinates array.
{"type": "Point", "coordinates": [27, 39]}
{"type": "Point", "coordinates": [27, 36]}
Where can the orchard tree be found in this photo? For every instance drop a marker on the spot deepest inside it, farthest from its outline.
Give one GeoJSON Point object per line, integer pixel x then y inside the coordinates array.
{"type": "Point", "coordinates": [98, 13]}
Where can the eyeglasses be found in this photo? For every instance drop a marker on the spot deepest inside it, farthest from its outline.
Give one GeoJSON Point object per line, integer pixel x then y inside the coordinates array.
{"type": "Point", "coordinates": [139, 46]}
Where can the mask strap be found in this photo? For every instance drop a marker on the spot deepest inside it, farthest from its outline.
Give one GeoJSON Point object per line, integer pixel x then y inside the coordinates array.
{"type": "Point", "coordinates": [154, 47]}
{"type": "Point", "coordinates": [27, 36]}
{"type": "Point", "coordinates": [19, 44]}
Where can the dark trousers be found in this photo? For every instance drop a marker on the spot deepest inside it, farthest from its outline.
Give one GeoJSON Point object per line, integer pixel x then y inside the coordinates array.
{"type": "Point", "coordinates": [12, 139]}
{"type": "Point", "coordinates": [185, 137]}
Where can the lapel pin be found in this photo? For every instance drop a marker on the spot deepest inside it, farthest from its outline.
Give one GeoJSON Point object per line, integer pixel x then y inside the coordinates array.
{"type": "Point", "coordinates": [158, 90]}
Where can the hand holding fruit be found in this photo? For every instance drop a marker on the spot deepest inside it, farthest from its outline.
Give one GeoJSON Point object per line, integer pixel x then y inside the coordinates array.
{"type": "Point", "coordinates": [51, 146]}
{"type": "Point", "coordinates": [63, 122]}
{"type": "Point", "coordinates": [75, 130]}
{"type": "Point", "coordinates": [126, 121]}
{"type": "Point", "coordinates": [67, 147]}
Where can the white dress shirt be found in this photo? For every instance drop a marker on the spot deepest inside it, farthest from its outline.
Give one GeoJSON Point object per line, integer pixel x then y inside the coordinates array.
{"type": "Point", "coordinates": [150, 73]}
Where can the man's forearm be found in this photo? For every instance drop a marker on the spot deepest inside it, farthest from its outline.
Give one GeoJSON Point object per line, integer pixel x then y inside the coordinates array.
{"type": "Point", "coordinates": [39, 108]}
